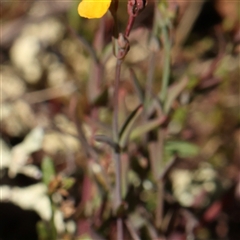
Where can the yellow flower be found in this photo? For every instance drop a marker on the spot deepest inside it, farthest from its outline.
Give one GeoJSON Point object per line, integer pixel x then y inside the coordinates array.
{"type": "Point", "coordinates": [93, 8]}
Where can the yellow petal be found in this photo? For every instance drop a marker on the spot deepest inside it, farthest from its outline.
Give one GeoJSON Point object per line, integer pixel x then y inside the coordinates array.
{"type": "Point", "coordinates": [93, 8]}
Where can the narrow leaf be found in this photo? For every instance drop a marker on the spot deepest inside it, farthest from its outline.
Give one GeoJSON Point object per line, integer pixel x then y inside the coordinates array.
{"type": "Point", "coordinates": [107, 140]}
{"type": "Point", "coordinates": [146, 127]}
{"type": "Point", "coordinates": [129, 119]}
{"type": "Point", "coordinates": [127, 126]}
{"type": "Point", "coordinates": [48, 170]}
{"type": "Point", "coordinates": [182, 149]}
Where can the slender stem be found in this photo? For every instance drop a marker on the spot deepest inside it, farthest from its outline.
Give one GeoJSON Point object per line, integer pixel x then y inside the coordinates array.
{"type": "Point", "coordinates": [129, 25]}
{"type": "Point", "coordinates": [148, 90]}
{"type": "Point", "coordinates": [160, 204]}
{"type": "Point", "coordinates": [166, 69]}
{"type": "Point", "coordinates": [119, 229]}
{"type": "Point", "coordinates": [116, 153]}
{"type": "Point", "coordinates": [115, 101]}
{"type": "Point", "coordinates": [149, 82]}
{"type": "Point", "coordinates": [53, 228]}
{"type": "Point", "coordinates": [118, 178]}
{"type": "Point", "coordinates": [160, 183]}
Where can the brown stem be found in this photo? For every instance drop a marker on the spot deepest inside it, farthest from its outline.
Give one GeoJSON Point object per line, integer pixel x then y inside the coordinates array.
{"type": "Point", "coordinates": [129, 25]}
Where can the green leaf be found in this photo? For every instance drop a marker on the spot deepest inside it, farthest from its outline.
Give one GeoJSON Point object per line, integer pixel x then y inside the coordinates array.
{"type": "Point", "coordinates": [146, 127]}
{"type": "Point", "coordinates": [127, 126]}
{"type": "Point", "coordinates": [48, 170]}
{"type": "Point", "coordinates": [183, 149]}
{"type": "Point", "coordinates": [107, 140]}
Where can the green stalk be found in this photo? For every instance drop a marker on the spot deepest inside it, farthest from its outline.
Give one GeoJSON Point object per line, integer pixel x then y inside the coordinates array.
{"type": "Point", "coordinates": [116, 152]}
{"type": "Point", "coordinates": [167, 59]}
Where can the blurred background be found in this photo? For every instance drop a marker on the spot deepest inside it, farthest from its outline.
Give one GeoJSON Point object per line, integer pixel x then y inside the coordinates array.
{"type": "Point", "coordinates": [57, 77]}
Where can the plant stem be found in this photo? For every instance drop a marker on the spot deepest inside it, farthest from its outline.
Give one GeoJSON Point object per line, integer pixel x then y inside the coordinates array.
{"type": "Point", "coordinates": [160, 204]}
{"type": "Point", "coordinates": [166, 68]}
{"type": "Point", "coordinates": [115, 101]}
{"type": "Point", "coordinates": [119, 229]}
{"type": "Point", "coordinates": [53, 228]}
{"type": "Point", "coordinates": [149, 83]}
{"type": "Point", "coordinates": [129, 26]}
{"type": "Point", "coordinates": [116, 152]}
{"type": "Point", "coordinates": [160, 183]}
